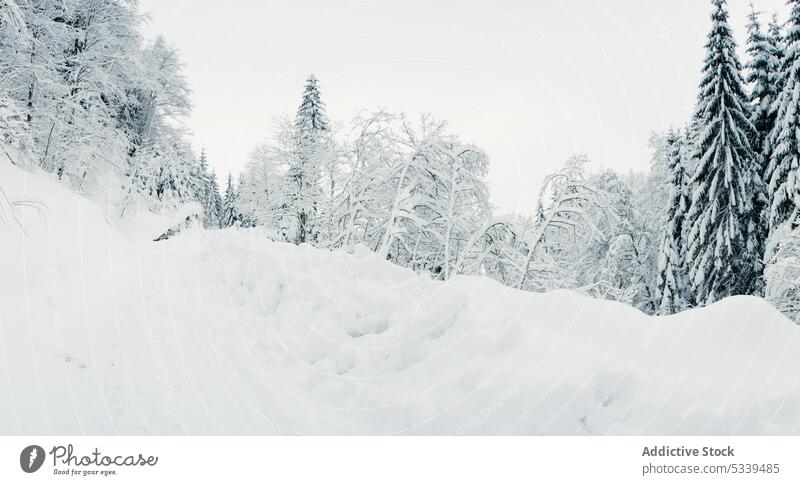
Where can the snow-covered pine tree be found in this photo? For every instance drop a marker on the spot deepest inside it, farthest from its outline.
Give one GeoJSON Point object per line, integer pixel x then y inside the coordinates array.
{"type": "Point", "coordinates": [760, 77]}
{"type": "Point", "coordinates": [777, 79]}
{"type": "Point", "coordinates": [206, 191]}
{"type": "Point", "coordinates": [777, 46]}
{"type": "Point", "coordinates": [783, 171]}
{"type": "Point", "coordinates": [229, 215]}
{"type": "Point", "coordinates": [311, 117]}
{"type": "Point", "coordinates": [215, 200]}
{"type": "Point", "coordinates": [672, 279]}
{"type": "Point", "coordinates": [723, 254]}
{"type": "Point", "coordinates": [311, 139]}
{"type": "Point", "coordinates": [170, 171]}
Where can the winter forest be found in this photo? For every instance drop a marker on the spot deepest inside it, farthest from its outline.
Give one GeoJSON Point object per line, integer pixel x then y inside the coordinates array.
{"type": "Point", "coordinates": [714, 213]}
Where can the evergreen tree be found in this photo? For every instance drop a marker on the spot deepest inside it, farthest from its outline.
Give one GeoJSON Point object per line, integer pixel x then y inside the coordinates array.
{"type": "Point", "coordinates": [207, 192]}
{"type": "Point", "coordinates": [311, 128]}
{"type": "Point", "coordinates": [783, 171]}
{"type": "Point", "coordinates": [671, 282]}
{"type": "Point", "coordinates": [776, 42]}
{"type": "Point", "coordinates": [762, 70]}
{"type": "Point", "coordinates": [722, 255]}
{"type": "Point", "coordinates": [776, 82]}
{"type": "Point", "coordinates": [214, 201]}
{"type": "Point", "coordinates": [229, 215]}
{"type": "Point", "coordinates": [311, 118]}
{"type": "Point", "coordinates": [760, 78]}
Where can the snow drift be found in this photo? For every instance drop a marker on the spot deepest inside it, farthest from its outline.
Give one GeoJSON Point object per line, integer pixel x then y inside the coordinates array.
{"type": "Point", "coordinates": [103, 331]}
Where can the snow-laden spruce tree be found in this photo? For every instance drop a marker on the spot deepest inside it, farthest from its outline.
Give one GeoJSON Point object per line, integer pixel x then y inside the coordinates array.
{"type": "Point", "coordinates": [312, 152]}
{"type": "Point", "coordinates": [672, 285]}
{"type": "Point", "coordinates": [206, 191]}
{"type": "Point", "coordinates": [761, 69]}
{"type": "Point", "coordinates": [229, 215]}
{"type": "Point", "coordinates": [764, 78]}
{"type": "Point", "coordinates": [777, 79]}
{"type": "Point", "coordinates": [723, 254]}
{"type": "Point", "coordinates": [215, 200]}
{"type": "Point", "coordinates": [311, 117]}
{"type": "Point", "coordinates": [777, 44]}
{"type": "Point", "coordinates": [783, 171]}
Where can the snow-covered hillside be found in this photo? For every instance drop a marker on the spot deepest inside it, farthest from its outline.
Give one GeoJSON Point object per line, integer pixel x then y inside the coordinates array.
{"type": "Point", "coordinates": [103, 331]}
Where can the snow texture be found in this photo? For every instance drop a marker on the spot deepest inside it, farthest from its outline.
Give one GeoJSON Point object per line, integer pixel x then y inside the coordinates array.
{"type": "Point", "coordinates": [103, 331]}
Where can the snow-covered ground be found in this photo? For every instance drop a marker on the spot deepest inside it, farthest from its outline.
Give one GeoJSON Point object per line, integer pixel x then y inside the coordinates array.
{"type": "Point", "coordinates": [103, 331]}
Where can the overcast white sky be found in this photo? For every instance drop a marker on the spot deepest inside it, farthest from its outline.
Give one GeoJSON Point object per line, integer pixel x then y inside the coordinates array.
{"type": "Point", "coordinates": [531, 82]}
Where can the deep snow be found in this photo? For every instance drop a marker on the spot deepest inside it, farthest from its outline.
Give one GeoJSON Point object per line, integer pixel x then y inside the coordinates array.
{"type": "Point", "coordinates": [103, 331]}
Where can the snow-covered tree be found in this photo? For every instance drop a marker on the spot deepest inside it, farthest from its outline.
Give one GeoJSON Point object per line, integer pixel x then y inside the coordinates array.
{"type": "Point", "coordinates": [229, 214]}
{"type": "Point", "coordinates": [672, 281]}
{"type": "Point", "coordinates": [241, 205]}
{"type": "Point", "coordinates": [215, 200]}
{"type": "Point", "coordinates": [783, 172]}
{"type": "Point", "coordinates": [98, 39]}
{"type": "Point", "coordinates": [438, 198]}
{"type": "Point", "coordinates": [15, 137]}
{"type": "Point", "coordinates": [281, 199]}
{"type": "Point", "coordinates": [617, 262]}
{"type": "Point", "coordinates": [567, 227]}
{"type": "Point", "coordinates": [171, 170]}
{"type": "Point", "coordinates": [497, 250]}
{"type": "Point", "coordinates": [362, 203]}
{"type": "Point", "coordinates": [91, 103]}
{"type": "Point", "coordinates": [761, 76]}
{"type": "Point", "coordinates": [312, 151]}
{"type": "Point", "coordinates": [782, 272]}
{"type": "Point", "coordinates": [311, 119]}
{"type": "Point", "coordinates": [159, 95]}
{"type": "Point", "coordinates": [778, 46]}
{"type": "Point", "coordinates": [722, 248]}
{"type": "Point", "coordinates": [777, 80]}
{"type": "Point", "coordinates": [206, 191]}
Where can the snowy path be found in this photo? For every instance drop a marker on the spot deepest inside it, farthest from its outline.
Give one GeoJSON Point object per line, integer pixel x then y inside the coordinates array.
{"type": "Point", "coordinates": [217, 332]}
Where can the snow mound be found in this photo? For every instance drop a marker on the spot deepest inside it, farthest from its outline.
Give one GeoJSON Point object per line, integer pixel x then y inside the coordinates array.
{"type": "Point", "coordinates": [103, 331]}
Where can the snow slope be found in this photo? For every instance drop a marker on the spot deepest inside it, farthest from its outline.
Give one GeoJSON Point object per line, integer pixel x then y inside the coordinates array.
{"type": "Point", "coordinates": [103, 331]}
